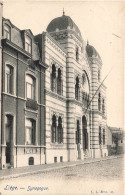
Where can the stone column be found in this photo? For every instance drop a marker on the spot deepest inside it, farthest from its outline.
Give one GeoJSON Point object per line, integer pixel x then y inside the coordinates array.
{"type": "Point", "coordinates": [95, 128]}
{"type": "Point", "coordinates": [70, 93]}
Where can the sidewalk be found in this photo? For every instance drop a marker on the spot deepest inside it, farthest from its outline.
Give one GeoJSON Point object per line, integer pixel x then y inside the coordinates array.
{"type": "Point", "coordinates": [16, 172]}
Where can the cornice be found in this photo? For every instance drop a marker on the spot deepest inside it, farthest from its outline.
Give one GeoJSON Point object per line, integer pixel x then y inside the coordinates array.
{"type": "Point", "coordinates": [14, 46]}
{"type": "Point", "coordinates": [99, 113]}
{"type": "Point", "coordinates": [65, 32]}
{"type": "Point", "coordinates": [55, 95]}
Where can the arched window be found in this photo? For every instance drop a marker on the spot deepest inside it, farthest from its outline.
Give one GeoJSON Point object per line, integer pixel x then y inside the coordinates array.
{"type": "Point", "coordinates": [77, 53]}
{"type": "Point", "coordinates": [77, 89]}
{"type": "Point", "coordinates": [30, 87]}
{"type": "Point", "coordinates": [103, 106]}
{"type": "Point", "coordinates": [85, 83]}
{"type": "Point", "coordinates": [103, 136]}
{"type": "Point", "coordinates": [100, 136]}
{"type": "Point", "coordinates": [99, 102]}
{"type": "Point", "coordinates": [30, 128]}
{"type": "Point", "coordinates": [53, 78]}
{"type": "Point", "coordinates": [78, 133]}
{"type": "Point", "coordinates": [59, 82]}
{"type": "Point", "coordinates": [98, 75]}
{"type": "Point", "coordinates": [60, 130]}
{"type": "Point", "coordinates": [9, 81]}
{"type": "Point", "coordinates": [54, 129]}
{"type": "Point", "coordinates": [84, 133]}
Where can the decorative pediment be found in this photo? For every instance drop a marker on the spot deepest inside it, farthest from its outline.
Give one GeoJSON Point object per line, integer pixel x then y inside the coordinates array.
{"type": "Point", "coordinates": [29, 32]}
{"type": "Point", "coordinates": [8, 22]}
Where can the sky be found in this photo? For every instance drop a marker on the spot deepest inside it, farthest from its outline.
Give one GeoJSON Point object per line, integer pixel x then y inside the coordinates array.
{"type": "Point", "coordinates": [102, 23]}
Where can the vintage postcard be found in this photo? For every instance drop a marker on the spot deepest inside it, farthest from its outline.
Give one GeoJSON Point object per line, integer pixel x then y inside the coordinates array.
{"type": "Point", "coordinates": [62, 97]}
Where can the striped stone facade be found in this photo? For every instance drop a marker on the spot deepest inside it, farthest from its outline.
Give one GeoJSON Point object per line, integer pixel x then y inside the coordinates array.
{"type": "Point", "coordinates": [59, 48]}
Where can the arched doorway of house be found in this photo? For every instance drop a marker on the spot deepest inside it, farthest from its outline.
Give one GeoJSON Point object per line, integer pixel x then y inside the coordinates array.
{"type": "Point", "coordinates": [84, 133]}
{"type": "Point", "coordinates": [9, 137]}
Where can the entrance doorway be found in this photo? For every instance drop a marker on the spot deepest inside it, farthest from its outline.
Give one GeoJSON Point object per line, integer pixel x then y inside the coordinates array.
{"type": "Point", "coordinates": [9, 134]}
{"type": "Point", "coordinates": [84, 133]}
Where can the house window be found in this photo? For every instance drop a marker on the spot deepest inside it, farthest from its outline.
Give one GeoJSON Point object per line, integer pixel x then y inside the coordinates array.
{"type": "Point", "coordinates": [77, 53]}
{"type": "Point", "coordinates": [9, 79]}
{"type": "Point", "coordinates": [54, 129]}
{"type": "Point", "coordinates": [77, 89]}
{"type": "Point", "coordinates": [53, 78]}
{"type": "Point", "coordinates": [78, 133]}
{"type": "Point", "coordinates": [28, 43]}
{"type": "Point", "coordinates": [103, 136]}
{"type": "Point", "coordinates": [99, 102]}
{"type": "Point", "coordinates": [60, 130]}
{"type": "Point", "coordinates": [59, 82]}
{"type": "Point", "coordinates": [30, 126]}
{"type": "Point", "coordinates": [99, 135]}
{"type": "Point", "coordinates": [30, 87]}
{"type": "Point", "coordinates": [103, 106]}
{"type": "Point", "coordinates": [6, 32]}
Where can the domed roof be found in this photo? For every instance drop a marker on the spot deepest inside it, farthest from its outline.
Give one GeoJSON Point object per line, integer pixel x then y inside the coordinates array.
{"type": "Point", "coordinates": [62, 23]}
{"type": "Point", "coordinates": [91, 51]}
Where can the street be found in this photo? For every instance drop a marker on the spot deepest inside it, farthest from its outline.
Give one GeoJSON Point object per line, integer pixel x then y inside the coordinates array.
{"type": "Point", "coordinates": [105, 177]}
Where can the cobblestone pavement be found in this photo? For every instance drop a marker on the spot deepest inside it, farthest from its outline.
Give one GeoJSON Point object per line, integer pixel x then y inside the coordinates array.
{"type": "Point", "coordinates": [105, 177]}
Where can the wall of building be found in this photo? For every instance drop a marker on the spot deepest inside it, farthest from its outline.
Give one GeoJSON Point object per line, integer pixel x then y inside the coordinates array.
{"type": "Point", "coordinates": [15, 104]}
{"type": "Point", "coordinates": [55, 103]}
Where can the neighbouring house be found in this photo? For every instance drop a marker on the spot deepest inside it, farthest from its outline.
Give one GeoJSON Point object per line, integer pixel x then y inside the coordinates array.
{"type": "Point", "coordinates": [115, 140]}
{"type": "Point", "coordinates": [23, 98]}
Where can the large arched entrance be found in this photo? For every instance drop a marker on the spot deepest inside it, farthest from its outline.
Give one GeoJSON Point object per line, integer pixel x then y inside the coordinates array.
{"type": "Point", "coordinates": [84, 133]}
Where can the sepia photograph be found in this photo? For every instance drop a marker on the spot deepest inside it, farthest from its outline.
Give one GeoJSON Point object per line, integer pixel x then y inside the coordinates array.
{"type": "Point", "coordinates": [62, 97]}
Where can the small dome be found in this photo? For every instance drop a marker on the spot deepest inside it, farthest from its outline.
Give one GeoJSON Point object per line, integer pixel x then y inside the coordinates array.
{"type": "Point", "coordinates": [91, 51]}
{"type": "Point", "coordinates": [63, 23]}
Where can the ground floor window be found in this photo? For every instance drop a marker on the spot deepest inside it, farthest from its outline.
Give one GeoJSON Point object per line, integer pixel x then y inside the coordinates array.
{"type": "Point", "coordinates": [57, 130]}
{"type": "Point", "coordinates": [99, 135]}
{"type": "Point", "coordinates": [30, 126]}
{"type": "Point", "coordinates": [78, 132]}
{"type": "Point", "coordinates": [103, 136]}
